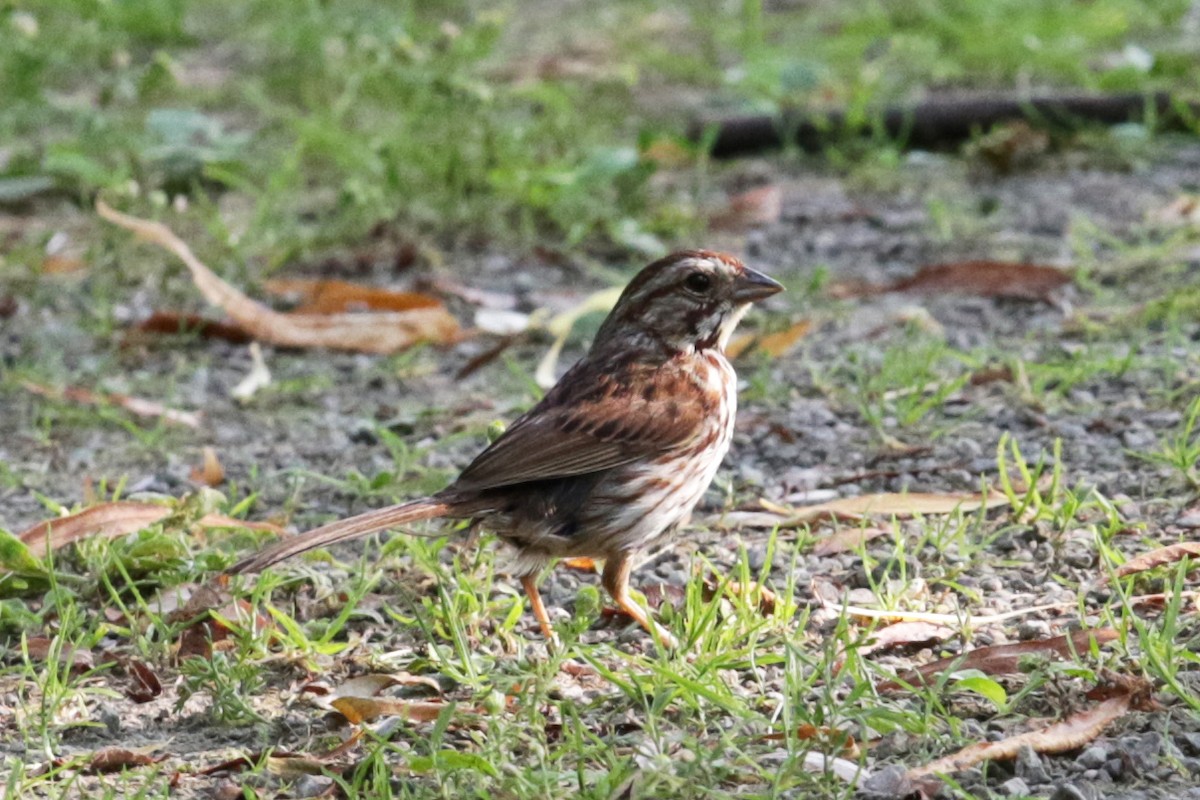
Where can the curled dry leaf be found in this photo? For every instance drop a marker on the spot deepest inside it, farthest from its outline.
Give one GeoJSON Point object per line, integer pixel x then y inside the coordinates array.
{"type": "Point", "coordinates": [40, 648]}
{"type": "Point", "coordinates": [134, 405]}
{"type": "Point", "coordinates": [1070, 734]}
{"type": "Point", "coordinates": [210, 472]}
{"type": "Point", "coordinates": [337, 297]}
{"type": "Point", "coordinates": [365, 709]}
{"type": "Point", "coordinates": [902, 634]}
{"type": "Point", "coordinates": [259, 376]}
{"type": "Point", "coordinates": [807, 731]}
{"type": "Point", "coordinates": [752, 592]}
{"type": "Point", "coordinates": [144, 682]}
{"type": "Point", "coordinates": [981, 277]}
{"type": "Point", "coordinates": [851, 772]}
{"type": "Point", "coordinates": [171, 322]}
{"type": "Point", "coordinates": [892, 505]}
{"type": "Point", "coordinates": [1157, 558]}
{"type": "Point", "coordinates": [771, 344]}
{"type": "Point", "coordinates": [759, 206]}
{"type": "Point", "coordinates": [368, 332]}
{"type": "Point", "coordinates": [113, 520]}
{"type": "Point", "coordinates": [846, 539]}
{"type": "Point", "coordinates": [1004, 659]}
{"type": "Point", "coordinates": [560, 328]}
{"type": "Point", "coordinates": [118, 759]}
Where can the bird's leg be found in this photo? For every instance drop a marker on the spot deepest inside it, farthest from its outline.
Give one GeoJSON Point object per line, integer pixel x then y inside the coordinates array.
{"type": "Point", "coordinates": [530, 584]}
{"type": "Point", "coordinates": [616, 582]}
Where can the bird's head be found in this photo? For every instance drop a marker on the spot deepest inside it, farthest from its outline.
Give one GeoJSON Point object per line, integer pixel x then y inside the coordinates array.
{"type": "Point", "coordinates": [688, 300]}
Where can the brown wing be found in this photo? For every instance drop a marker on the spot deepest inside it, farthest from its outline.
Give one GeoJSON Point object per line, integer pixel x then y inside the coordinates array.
{"type": "Point", "coordinates": [593, 419]}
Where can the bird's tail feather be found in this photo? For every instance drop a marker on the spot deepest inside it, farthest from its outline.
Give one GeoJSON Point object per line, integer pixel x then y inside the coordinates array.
{"type": "Point", "coordinates": [341, 530]}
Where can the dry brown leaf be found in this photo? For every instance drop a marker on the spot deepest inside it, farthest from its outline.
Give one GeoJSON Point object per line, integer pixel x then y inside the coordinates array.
{"type": "Point", "coordinates": [113, 520]}
{"type": "Point", "coordinates": [752, 591]}
{"type": "Point", "coordinates": [1003, 659]}
{"type": "Point", "coordinates": [134, 405]}
{"type": "Point", "coordinates": [364, 709]}
{"type": "Point", "coordinates": [337, 297]}
{"type": "Point", "coordinates": [807, 731]}
{"type": "Point", "coordinates": [846, 539]}
{"type": "Point", "coordinates": [145, 685]}
{"type": "Point", "coordinates": [1157, 558]}
{"type": "Point", "coordinates": [771, 344]}
{"type": "Point", "coordinates": [118, 759]}
{"type": "Point", "coordinates": [902, 634]}
{"type": "Point", "coordinates": [368, 332]}
{"type": "Point", "coordinates": [1070, 734]}
{"type": "Point", "coordinates": [40, 647]}
{"type": "Point", "coordinates": [210, 472]}
{"type": "Point", "coordinates": [760, 206]}
{"type": "Point", "coordinates": [981, 277]}
{"type": "Point", "coordinates": [1183, 210]}
{"type": "Point", "coordinates": [372, 684]}
{"type": "Point", "coordinates": [909, 504]}
{"type": "Point", "coordinates": [62, 264]}
{"type": "Point", "coordinates": [174, 322]}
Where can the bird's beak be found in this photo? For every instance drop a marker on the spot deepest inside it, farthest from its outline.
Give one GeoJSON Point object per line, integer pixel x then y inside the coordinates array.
{"type": "Point", "coordinates": [751, 286]}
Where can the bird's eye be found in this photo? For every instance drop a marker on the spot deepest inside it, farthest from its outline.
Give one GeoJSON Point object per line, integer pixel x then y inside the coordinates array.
{"type": "Point", "coordinates": [698, 282]}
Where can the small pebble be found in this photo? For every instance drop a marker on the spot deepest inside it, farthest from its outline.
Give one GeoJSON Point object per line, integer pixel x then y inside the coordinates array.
{"type": "Point", "coordinates": [1029, 766]}
{"type": "Point", "coordinates": [1093, 758]}
{"type": "Point", "coordinates": [1014, 787]}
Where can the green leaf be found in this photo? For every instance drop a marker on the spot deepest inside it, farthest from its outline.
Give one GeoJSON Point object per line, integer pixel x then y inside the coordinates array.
{"type": "Point", "coordinates": [972, 680]}
{"type": "Point", "coordinates": [15, 556]}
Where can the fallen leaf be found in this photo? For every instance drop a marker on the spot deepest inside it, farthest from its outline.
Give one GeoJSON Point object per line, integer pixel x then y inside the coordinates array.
{"type": "Point", "coordinates": [372, 684]}
{"type": "Point", "coordinates": [134, 405]}
{"type": "Point", "coordinates": [259, 377]}
{"type": "Point", "coordinates": [759, 206]}
{"type": "Point", "coordinates": [560, 328]}
{"type": "Point", "coordinates": [579, 564]}
{"type": "Point", "coordinates": [982, 278]}
{"type": "Point", "coordinates": [807, 731]}
{"type": "Point", "coordinates": [752, 592]}
{"type": "Point", "coordinates": [41, 648]}
{"type": "Point", "coordinates": [364, 709]}
{"type": "Point", "coordinates": [903, 504]}
{"type": "Point", "coordinates": [336, 297]}
{"type": "Point", "coordinates": [62, 264]}
{"type": "Point", "coordinates": [1003, 659]}
{"type": "Point", "coordinates": [902, 634]}
{"type": "Point", "coordinates": [1157, 558]}
{"type": "Point", "coordinates": [848, 771]}
{"type": "Point", "coordinates": [118, 759]}
{"type": "Point", "coordinates": [770, 344]}
{"type": "Point", "coordinates": [113, 520]}
{"type": "Point", "coordinates": [171, 323]}
{"type": "Point", "coordinates": [210, 472]}
{"type": "Point", "coordinates": [145, 683]}
{"type": "Point", "coordinates": [1070, 734]}
{"type": "Point", "coordinates": [846, 539]}
{"type": "Point", "coordinates": [8, 306]}
{"type": "Point", "coordinates": [369, 332]}
{"type": "Point", "coordinates": [657, 595]}
{"type": "Point", "coordinates": [1183, 210]}
{"type": "Point", "coordinates": [501, 322]}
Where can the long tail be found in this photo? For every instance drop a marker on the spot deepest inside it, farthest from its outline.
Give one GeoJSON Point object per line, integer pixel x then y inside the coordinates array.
{"type": "Point", "coordinates": [342, 530]}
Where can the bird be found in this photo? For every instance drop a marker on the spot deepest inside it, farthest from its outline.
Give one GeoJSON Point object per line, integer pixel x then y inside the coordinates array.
{"type": "Point", "coordinates": [616, 454]}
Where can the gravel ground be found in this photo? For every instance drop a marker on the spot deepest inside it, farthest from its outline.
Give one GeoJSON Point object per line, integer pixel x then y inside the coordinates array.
{"type": "Point", "coordinates": [800, 433]}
